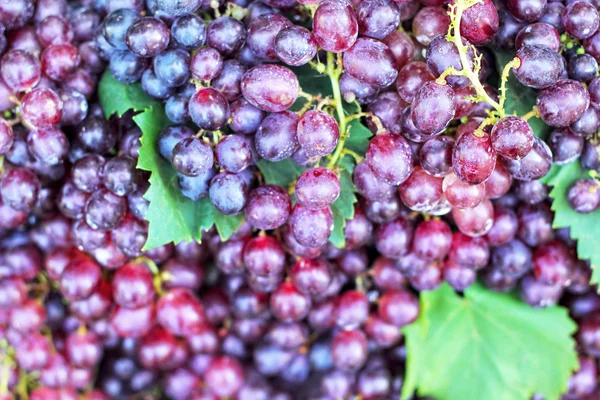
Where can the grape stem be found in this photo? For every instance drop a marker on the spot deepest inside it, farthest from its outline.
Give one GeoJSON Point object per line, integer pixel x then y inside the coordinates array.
{"type": "Point", "coordinates": [455, 13]}
{"type": "Point", "coordinates": [334, 76]}
{"type": "Point", "coordinates": [357, 157]}
{"type": "Point", "coordinates": [514, 63]}
{"type": "Point", "coordinates": [4, 367]}
{"type": "Point", "coordinates": [534, 113]}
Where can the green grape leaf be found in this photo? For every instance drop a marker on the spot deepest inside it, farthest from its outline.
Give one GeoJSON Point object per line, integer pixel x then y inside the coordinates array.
{"type": "Point", "coordinates": [343, 209]}
{"type": "Point", "coordinates": [359, 138]}
{"type": "Point", "coordinates": [585, 228]}
{"type": "Point", "coordinates": [281, 173]}
{"type": "Point", "coordinates": [171, 217]}
{"type": "Point", "coordinates": [519, 98]}
{"type": "Point", "coordinates": [487, 345]}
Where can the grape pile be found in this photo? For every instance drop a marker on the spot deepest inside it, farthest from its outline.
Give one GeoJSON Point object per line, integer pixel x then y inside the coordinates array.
{"type": "Point", "coordinates": [449, 185]}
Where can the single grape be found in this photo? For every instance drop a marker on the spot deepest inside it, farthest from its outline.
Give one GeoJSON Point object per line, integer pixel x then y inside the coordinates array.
{"type": "Point", "coordinates": [317, 133]}
{"type": "Point", "coordinates": [526, 10]}
{"type": "Point", "coordinates": [295, 45]}
{"type": "Point", "coordinates": [479, 23]}
{"type": "Point", "coordinates": [393, 239]}
{"type": "Point", "coordinates": [126, 67]}
{"type": "Point", "coordinates": [115, 25]}
{"type": "Point", "coordinates": [48, 145]}
{"type": "Point", "coordinates": [390, 158]}
{"type": "Point", "coordinates": [104, 210]}
{"type": "Point", "coordinates": [147, 37]}
{"type": "Point", "coordinates": [262, 33]}
{"type": "Point", "coordinates": [229, 193]}
{"type": "Point", "coordinates": [429, 23]}
{"type": "Point", "coordinates": [209, 109]}
{"type": "Point", "coordinates": [562, 104]}
{"type": "Point", "coordinates": [369, 186]}
{"type": "Point", "coordinates": [565, 146]}
{"type": "Point", "coordinates": [512, 137]}
{"type": "Point", "coordinates": [192, 157]}
{"type": "Point", "coordinates": [311, 228]}
{"type": "Point", "coordinates": [271, 88]}
{"type": "Point", "coordinates": [476, 221]}
{"type": "Point", "coordinates": [172, 67]}
{"type": "Point", "coordinates": [584, 196]}
{"type": "Point", "coordinates": [41, 108]}
{"type": "Point", "coordinates": [432, 240]}
{"type": "Point", "coordinates": [189, 31]}
{"type": "Point", "coordinates": [460, 194]}
{"type": "Point", "coordinates": [539, 33]}
{"type": "Point", "coordinates": [580, 19]}
{"type": "Point", "coordinates": [268, 207]}
{"type": "Point", "coordinates": [473, 157]}
{"type": "Point", "coordinates": [335, 25]}
{"type": "Point", "coordinates": [371, 62]}
{"type": "Point", "coordinates": [411, 78]}
{"type": "Point", "coordinates": [226, 35]}
{"type": "Point", "coordinates": [433, 107]}
{"type": "Point", "coordinates": [534, 165]}
{"type": "Point", "coordinates": [317, 188]}
{"type": "Point", "coordinates": [245, 118]}
{"type": "Point", "coordinates": [20, 70]}
{"type": "Point", "coordinates": [206, 64]}
{"type": "Point", "coordinates": [377, 18]}
{"type": "Point", "coordinates": [421, 191]}
{"type": "Point", "coordinates": [540, 66]}
{"type": "Point", "coordinates": [276, 138]}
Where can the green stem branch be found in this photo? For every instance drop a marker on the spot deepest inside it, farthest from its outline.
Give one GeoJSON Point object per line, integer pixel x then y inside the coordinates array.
{"type": "Point", "coordinates": [334, 76]}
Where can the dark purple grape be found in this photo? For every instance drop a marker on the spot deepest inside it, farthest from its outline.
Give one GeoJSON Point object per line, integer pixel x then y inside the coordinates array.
{"type": "Point", "coordinates": [234, 153]}
{"type": "Point", "coordinates": [126, 67]}
{"type": "Point", "coordinates": [226, 35]}
{"type": "Point", "coordinates": [311, 228]}
{"type": "Point", "coordinates": [526, 10]}
{"type": "Point", "coordinates": [433, 107]}
{"type": "Point", "coordinates": [192, 157]}
{"type": "Point", "coordinates": [295, 45]}
{"type": "Point", "coordinates": [435, 156]}
{"type": "Point", "coordinates": [352, 89]}
{"type": "Point", "coordinates": [195, 187]}
{"type": "Point", "coordinates": [390, 158]}
{"type": "Point", "coordinates": [120, 175]}
{"type": "Point", "coordinates": [371, 62]}
{"type": "Point", "coordinates": [533, 166]}
{"type": "Point", "coordinates": [512, 137]}
{"type": "Point", "coordinates": [429, 23]}
{"type": "Point", "coordinates": [275, 138]}
{"type": "Point", "coordinates": [115, 25]}
{"type": "Point", "coordinates": [48, 145]}
{"type": "Point", "coordinates": [15, 14]}
{"type": "Point", "coordinates": [317, 133]}
{"type": "Point", "coordinates": [229, 193]}
{"type": "Point", "coordinates": [177, 108]}
{"type": "Point", "coordinates": [388, 108]}
{"type": "Point", "coordinates": [209, 109]}
{"type": "Point", "coordinates": [369, 186]}
{"type": "Point", "coordinates": [479, 23]}
{"type": "Point", "coordinates": [20, 70]}
{"type": "Point", "coordinates": [580, 19]}
{"type": "Point", "coordinates": [393, 239]}
{"type": "Point", "coordinates": [317, 188]}
{"type": "Point", "coordinates": [584, 196]}
{"type": "Point", "coordinates": [587, 125]}
{"type": "Point", "coordinates": [104, 210]}
{"type": "Point", "coordinates": [206, 64]}
{"type": "Point", "coordinates": [229, 80]}
{"type": "Point", "coordinates": [411, 78]}
{"type": "Point", "coordinates": [335, 25]}
{"type": "Point", "coordinates": [189, 31]}
{"type": "Point", "coordinates": [564, 103]}
{"type": "Point", "coordinates": [20, 188]}
{"type": "Point", "coordinates": [565, 146]}
{"type": "Point", "coordinates": [172, 67]}
{"type": "Point", "coordinates": [147, 37]}
{"type": "Point", "coordinates": [540, 33]}
{"type": "Point", "coordinates": [245, 118]}
{"type": "Point", "coordinates": [442, 54]}
{"type": "Point", "coordinates": [268, 207]}
{"type": "Point", "coordinates": [169, 137]}
{"type": "Point", "coordinates": [377, 18]}
{"type": "Point", "coordinates": [271, 88]}
{"type": "Point", "coordinates": [262, 32]}
{"type": "Point", "coordinates": [540, 66]}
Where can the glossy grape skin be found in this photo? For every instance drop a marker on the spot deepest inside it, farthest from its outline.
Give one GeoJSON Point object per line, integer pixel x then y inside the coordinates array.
{"type": "Point", "coordinates": [245, 118]}
{"type": "Point", "coordinates": [562, 104]}
{"type": "Point", "coordinates": [580, 19]}
{"type": "Point", "coordinates": [20, 70]}
{"type": "Point", "coordinates": [534, 165]}
{"type": "Point", "coordinates": [512, 137]}
{"type": "Point", "coordinates": [582, 68]}
{"type": "Point", "coordinates": [442, 54]}
{"type": "Point", "coordinates": [104, 210]}
{"type": "Point", "coordinates": [369, 186]}
{"type": "Point", "coordinates": [189, 31]}
{"type": "Point", "coordinates": [435, 156]}
{"type": "Point", "coordinates": [460, 194]}
{"type": "Point", "coordinates": [172, 67]}
{"type": "Point", "coordinates": [262, 33]}
{"type": "Point", "coordinates": [476, 221]}
{"type": "Point", "coordinates": [352, 89]}
{"type": "Point", "coordinates": [48, 145]}
{"type": "Point", "coordinates": [429, 23]}
{"type": "Point", "coordinates": [169, 137]}
{"type": "Point", "coordinates": [180, 312]}
{"type": "Point", "coordinates": [377, 18]}
{"type": "Point", "coordinates": [591, 46]}
{"type": "Point", "coordinates": [192, 157]}
{"type": "Point", "coordinates": [411, 78]}
{"type": "Point", "coordinates": [371, 62]}
{"type": "Point", "coordinates": [311, 228]}
{"type": "Point", "coordinates": [539, 33]}
{"type": "Point", "coordinates": [271, 88]}
{"type": "Point", "coordinates": [398, 307]}
{"type": "Point", "coordinates": [393, 238]}
{"type": "Point", "coordinates": [20, 188]}
{"type": "Point", "coordinates": [528, 11]}
{"type": "Point", "coordinates": [552, 263]}
{"type": "Point", "coordinates": [584, 196]}
{"type": "Point", "coordinates": [349, 349]}
{"type": "Point", "coordinates": [275, 138]}
{"type": "Point", "coordinates": [229, 193]}
{"type": "Point", "coordinates": [479, 23]}
{"type": "Point", "coordinates": [317, 188]}
{"type": "Point", "coordinates": [432, 240]}
{"type": "Point", "coordinates": [268, 207]}
{"type": "Point", "coordinates": [317, 133]}
{"type": "Point", "coordinates": [79, 279]}
{"type": "Point", "coordinates": [16, 14]}
{"type": "Point", "coordinates": [226, 35]}
{"type": "Point", "coordinates": [126, 67]}
{"type": "Point", "coordinates": [473, 158]}
{"type": "Point", "coordinates": [390, 158]}
{"type": "Point", "coordinates": [535, 224]}
{"type": "Point", "coordinates": [335, 25]}
{"type": "Point", "coordinates": [433, 107]}
{"type": "Point", "coordinates": [41, 108]}
{"type": "Point", "coordinates": [206, 64]}
{"type": "Point", "coordinates": [234, 153]}
{"type": "Point", "coordinates": [147, 37]}
{"type": "Point", "coordinates": [209, 109]}
{"type": "Point", "coordinates": [565, 146]}
{"type": "Point", "coordinates": [540, 66]}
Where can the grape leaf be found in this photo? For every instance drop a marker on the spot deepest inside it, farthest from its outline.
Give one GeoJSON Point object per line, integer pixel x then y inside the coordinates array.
{"type": "Point", "coordinates": [519, 98]}
{"type": "Point", "coordinates": [343, 209]}
{"type": "Point", "coordinates": [487, 345]}
{"type": "Point", "coordinates": [280, 173]}
{"type": "Point", "coordinates": [585, 228]}
{"type": "Point", "coordinates": [171, 216]}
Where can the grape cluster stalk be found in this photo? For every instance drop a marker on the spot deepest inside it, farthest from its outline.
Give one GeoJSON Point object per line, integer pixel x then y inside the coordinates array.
{"type": "Point", "coordinates": [449, 188]}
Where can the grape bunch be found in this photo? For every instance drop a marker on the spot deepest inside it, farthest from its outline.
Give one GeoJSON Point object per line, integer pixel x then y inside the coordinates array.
{"type": "Point", "coordinates": [449, 188]}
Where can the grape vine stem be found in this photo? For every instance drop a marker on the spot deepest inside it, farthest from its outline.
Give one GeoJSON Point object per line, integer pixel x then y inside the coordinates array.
{"type": "Point", "coordinates": [334, 76]}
